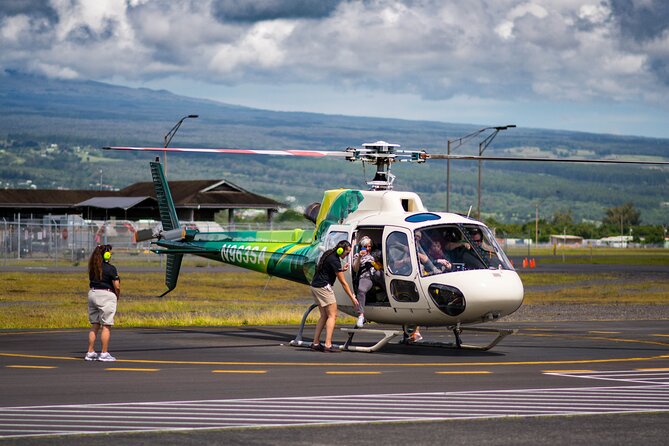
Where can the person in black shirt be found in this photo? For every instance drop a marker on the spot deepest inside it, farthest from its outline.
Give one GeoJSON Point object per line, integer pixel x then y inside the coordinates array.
{"type": "Point", "coordinates": [328, 269]}
{"type": "Point", "coordinates": [105, 289]}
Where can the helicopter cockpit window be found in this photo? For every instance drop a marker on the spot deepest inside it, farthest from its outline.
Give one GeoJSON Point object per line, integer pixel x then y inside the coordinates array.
{"type": "Point", "coordinates": [448, 248]}
{"type": "Point", "coordinates": [397, 253]}
{"type": "Point", "coordinates": [487, 248]}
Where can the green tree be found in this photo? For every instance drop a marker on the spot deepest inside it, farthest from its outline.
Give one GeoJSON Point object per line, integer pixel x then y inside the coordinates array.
{"type": "Point", "coordinates": [626, 214]}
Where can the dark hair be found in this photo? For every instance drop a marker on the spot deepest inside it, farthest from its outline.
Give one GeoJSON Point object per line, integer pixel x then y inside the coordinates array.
{"type": "Point", "coordinates": [344, 244]}
{"type": "Point", "coordinates": [95, 263]}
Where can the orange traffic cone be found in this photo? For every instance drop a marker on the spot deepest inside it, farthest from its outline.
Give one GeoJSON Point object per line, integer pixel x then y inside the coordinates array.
{"type": "Point", "coordinates": [525, 262]}
{"type": "Point", "coordinates": [532, 263]}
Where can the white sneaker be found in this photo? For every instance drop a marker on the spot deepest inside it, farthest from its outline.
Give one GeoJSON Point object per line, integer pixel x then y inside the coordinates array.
{"type": "Point", "coordinates": [91, 356]}
{"type": "Point", "coordinates": [415, 337]}
{"type": "Point", "coordinates": [360, 322]}
{"type": "Point", "coordinates": [106, 357]}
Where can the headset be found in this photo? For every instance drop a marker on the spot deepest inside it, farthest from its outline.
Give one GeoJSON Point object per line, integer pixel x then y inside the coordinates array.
{"type": "Point", "coordinates": [107, 254]}
{"type": "Point", "coordinates": [341, 246]}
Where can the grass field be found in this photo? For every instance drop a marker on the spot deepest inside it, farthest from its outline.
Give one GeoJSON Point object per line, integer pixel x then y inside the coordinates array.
{"type": "Point", "coordinates": [211, 298]}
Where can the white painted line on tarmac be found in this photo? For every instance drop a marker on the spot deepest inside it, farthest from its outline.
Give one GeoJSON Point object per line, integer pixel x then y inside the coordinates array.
{"type": "Point", "coordinates": [342, 409]}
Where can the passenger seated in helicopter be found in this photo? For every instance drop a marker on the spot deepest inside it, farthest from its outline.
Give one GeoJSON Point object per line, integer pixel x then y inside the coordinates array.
{"type": "Point", "coordinates": [366, 267]}
{"type": "Point", "coordinates": [399, 262]}
{"type": "Point", "coordinates": [437, 257]}
{"type": "Point", "coordinates": [427, 267]}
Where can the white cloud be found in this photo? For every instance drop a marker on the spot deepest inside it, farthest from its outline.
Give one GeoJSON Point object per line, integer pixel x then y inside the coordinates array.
{"type": "Point", "coordinates": [502, 50]}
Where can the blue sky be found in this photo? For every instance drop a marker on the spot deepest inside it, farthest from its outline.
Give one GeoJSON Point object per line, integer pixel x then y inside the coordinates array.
{"type": "Point", "coordinates": [599, 66]}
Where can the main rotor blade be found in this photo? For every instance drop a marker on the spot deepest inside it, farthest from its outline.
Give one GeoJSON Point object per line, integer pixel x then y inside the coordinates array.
{"type": "Point", "coordinates": [544, 160]}
{"type": "Point", "coordinates": [231, 151]}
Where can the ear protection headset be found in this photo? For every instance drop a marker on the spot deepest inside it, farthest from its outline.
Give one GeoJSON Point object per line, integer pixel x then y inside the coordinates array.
{"type": "Point", "coordinates": [107, 254]}
{"type": "Point", "coordinates": [341, 247]}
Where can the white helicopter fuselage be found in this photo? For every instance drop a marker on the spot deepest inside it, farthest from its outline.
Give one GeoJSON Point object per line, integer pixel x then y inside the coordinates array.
{"type": "Point", "coordinates": [480, 285]}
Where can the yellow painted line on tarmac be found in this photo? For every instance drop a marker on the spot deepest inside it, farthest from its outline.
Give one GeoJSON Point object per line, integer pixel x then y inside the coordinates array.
{"type": "Point", "coordinates": [603, 332]}
{"type": "Point", "coordinates": [653, 370]}
{"type": "Point", "coordinates": [258, 372]}
{"type": "Point", "coordinates": [129, 369]}
{"type": "Point", "coordinates": [355, 364]}
{"type": "Point", "coordinates": [352, 373]}
{"type": "Point", "coordinates": [46, 331]}
{"type": "Point", "coordinates": [473, 372]}
{"type": "Point", "coordinates": [596, 338]}
{"type": "Point", "coordinates": [568, 371]}
{"type": "Point", "coordinates": [31, 366]}
{"type": "Point", "coordinates": [21, 355]}
{"type": "Point", "coordinates": [661, 335]}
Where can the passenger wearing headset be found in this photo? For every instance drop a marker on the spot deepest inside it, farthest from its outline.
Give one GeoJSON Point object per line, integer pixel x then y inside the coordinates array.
{"type": "Point", "coordinates": [105, 289]}
{"type": "Point", "coordinates": [328, 269]}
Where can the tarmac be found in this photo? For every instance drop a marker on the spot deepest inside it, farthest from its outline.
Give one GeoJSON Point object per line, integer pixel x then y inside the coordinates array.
{"type": "Point", "coordinates": [575, 382]}
{"type": "Point", "coordinates": [567, 379]}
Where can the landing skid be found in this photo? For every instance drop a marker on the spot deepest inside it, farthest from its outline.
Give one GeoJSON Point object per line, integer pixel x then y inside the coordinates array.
{"type": "Point", "coordinates": [298, 342]}
{"type": "Point", "coordinates": [501, 334]}
{"type": "Point", "coordinates": [388, 335]}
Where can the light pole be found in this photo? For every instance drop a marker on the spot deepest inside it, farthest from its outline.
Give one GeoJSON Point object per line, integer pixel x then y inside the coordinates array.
{"type": "Point", "coordinates": [536, 221]}
{"type": "Point", "coordinates": [169, 135]}
{"type": "Point", "coordinates": [482, 146]}
{"type": "Point", "coordinates": [453, 144]}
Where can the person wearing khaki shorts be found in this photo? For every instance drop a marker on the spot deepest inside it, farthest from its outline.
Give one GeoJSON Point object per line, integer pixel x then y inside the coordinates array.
{"type": "Point", "coordinates": [105, 289]}
{"type": "Point", "coordinates": [328, 270]}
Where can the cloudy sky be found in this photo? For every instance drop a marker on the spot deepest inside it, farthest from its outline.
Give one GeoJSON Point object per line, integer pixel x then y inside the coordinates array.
{"type": "Point", "coordinates": [590, 65]}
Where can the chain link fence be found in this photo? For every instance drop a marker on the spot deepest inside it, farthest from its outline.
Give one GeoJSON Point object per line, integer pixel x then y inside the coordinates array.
{"type": "Point", "coordinates": [72, 238]}
{"type": "Point", "coordinates": [63, 237]}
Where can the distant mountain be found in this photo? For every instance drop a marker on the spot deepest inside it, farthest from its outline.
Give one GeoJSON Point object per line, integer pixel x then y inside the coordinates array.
{"type": "Point", "coordinates": [39, 111]}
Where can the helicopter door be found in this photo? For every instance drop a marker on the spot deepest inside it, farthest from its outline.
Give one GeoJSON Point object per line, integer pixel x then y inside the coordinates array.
{"type": "Point", "coordinates": [335, 234]}
{"type": "Point", "coordinates": [401, 269]}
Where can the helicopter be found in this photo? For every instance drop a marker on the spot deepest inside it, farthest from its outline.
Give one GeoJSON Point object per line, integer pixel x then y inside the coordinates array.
{"type": "Point", "coordinates": [477, 284]}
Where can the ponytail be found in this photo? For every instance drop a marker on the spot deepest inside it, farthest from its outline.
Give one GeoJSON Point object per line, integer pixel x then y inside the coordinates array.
{"type": "Point", "coordinates": [343, 245]}
{"type": "Point", "coordinates": [95, 263]}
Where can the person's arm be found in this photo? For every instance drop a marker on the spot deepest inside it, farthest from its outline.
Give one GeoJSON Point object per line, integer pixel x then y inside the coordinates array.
{"type": "Point", "coordinates": [357, 258]}
{"type": "Point", "coordinates": [344, 284]}
{"type": "Point", "coordinates": [117, 287]}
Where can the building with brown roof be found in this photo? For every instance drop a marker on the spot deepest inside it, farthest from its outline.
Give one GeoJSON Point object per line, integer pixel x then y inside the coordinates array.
{"type": "Point", "coordinates": [194, 200]}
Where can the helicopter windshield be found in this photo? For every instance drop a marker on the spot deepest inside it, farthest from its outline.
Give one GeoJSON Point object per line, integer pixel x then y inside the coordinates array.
{"type": "Point", "coordinates": [458, 247]}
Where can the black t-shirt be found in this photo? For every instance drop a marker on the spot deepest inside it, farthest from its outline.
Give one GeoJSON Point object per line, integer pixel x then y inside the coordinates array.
{"type": "Point", "coordinates": [109, 274]}
{"type": "Point", "coordinates": [328, 273]}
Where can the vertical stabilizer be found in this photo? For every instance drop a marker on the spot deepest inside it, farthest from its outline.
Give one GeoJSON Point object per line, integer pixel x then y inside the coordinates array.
{"type": "Point", "coordinates": [168, 213]}
{"type": "Point", "coordinates": [172, 271]}
{"type": "Point", "coordinates": [170, 221]}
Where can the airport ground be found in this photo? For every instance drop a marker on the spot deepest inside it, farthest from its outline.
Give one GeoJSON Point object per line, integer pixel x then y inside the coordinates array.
{"type": "Point", "coordinates": [571, 374]}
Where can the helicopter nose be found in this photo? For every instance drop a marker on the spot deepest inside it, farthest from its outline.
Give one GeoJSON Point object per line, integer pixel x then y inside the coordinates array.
{"type": "Point", "coordinates": [478, 295]}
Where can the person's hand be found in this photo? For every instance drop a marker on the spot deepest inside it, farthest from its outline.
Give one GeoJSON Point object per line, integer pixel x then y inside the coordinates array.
{"type": "Point", "coordinates": [363, 252]}
{"type": "Point", "coordinates": [444, 263]}
{"type": "Point", "coordinates": [355, 301]}
{"type": "Point", "coordinates": [345, 267]}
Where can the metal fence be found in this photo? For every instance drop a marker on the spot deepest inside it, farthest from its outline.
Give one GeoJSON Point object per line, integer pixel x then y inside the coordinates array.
{"type": "Point", "coordinates": [70, 237]}
{"type": "Point", "coordinates": [66, 237]}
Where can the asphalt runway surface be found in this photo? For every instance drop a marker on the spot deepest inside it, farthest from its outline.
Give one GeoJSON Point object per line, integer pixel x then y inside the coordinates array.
{"type": "Point", "coordinates": [603, 382]}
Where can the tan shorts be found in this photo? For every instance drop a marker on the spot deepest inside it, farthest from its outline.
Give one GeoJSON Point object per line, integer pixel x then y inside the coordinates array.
{"type": "Point", "coordinates": [324, 296]}
{"type": "Point", "coordinates": [101, 307]}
